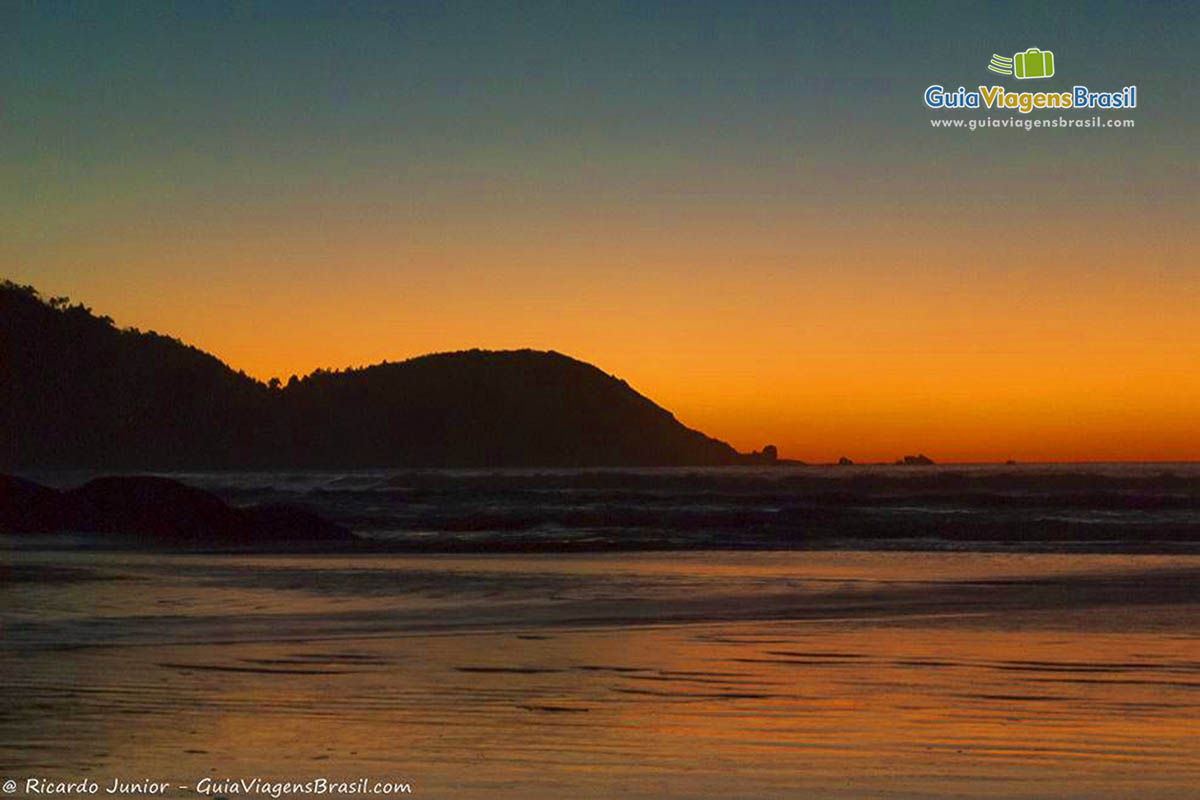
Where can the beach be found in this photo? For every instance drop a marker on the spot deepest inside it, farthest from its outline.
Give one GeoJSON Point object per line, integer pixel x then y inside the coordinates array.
{"type": "Point", "coordinates": [750, 674]}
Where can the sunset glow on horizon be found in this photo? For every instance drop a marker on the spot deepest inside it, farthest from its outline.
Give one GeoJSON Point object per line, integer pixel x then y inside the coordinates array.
{"type": "Point", "coordinates": [686, 200]}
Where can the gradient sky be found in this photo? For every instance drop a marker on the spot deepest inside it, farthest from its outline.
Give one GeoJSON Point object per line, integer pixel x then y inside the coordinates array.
{"type": "Point", "coordinates": [739, 207]}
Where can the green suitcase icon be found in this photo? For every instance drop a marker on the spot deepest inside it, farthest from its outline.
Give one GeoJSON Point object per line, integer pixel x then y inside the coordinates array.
{"type": "Point", "coordinates": [1034, 63]}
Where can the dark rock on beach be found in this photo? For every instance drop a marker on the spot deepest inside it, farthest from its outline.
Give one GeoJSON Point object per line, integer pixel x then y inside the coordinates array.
{"type": "Point", "coordinates": [157, 510]}
{"type": "Point", "coordinates": [154, 507]}
{"type": "Point", "coordinates": [279, 522]}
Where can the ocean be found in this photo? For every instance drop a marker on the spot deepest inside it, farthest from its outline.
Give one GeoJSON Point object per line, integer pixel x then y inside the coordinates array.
{"type": "Point", "coordinates": [1051, 507]}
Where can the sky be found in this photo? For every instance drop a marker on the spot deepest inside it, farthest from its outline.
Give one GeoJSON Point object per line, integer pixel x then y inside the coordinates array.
{"type": "Point", "coordinates": [741, 208]}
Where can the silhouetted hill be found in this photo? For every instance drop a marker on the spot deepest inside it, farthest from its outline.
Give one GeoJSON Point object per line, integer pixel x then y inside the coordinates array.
{"type": "Point", "coordinates": [76, 391]}
{"type": "Point", "coordinates": [483, 408]}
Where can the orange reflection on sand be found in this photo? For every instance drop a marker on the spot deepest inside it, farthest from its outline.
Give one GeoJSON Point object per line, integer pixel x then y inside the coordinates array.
{"type": "Point", "coordinates": [835, 674]}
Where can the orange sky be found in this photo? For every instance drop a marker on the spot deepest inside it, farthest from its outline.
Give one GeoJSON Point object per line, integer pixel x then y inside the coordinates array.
{"type": "Point", "coordinates": [786, 325]}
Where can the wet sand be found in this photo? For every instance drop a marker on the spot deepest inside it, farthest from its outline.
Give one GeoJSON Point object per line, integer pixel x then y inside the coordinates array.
{"type": "Point", "coordinates": [652, 675]}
